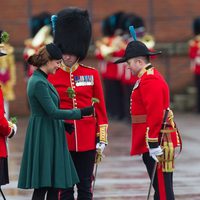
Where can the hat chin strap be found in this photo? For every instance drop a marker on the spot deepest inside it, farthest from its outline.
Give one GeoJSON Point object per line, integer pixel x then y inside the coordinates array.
{"type": "Point", "coordinates": [75, 63]}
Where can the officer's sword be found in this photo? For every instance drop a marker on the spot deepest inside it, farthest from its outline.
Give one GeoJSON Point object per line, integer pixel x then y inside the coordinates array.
{"type": "Point", "coordinates": [4, 198]}
{"type": "Point", "coordinates": [95, 100]}
{"type": "Point", "coordinates": [98, 154]}
{"type": "Point", "coordinates": [155, 165]}
{"type": "Point", "coordinates": [97, 160]}
{"type": "Point", "coordinates": [95, 175]}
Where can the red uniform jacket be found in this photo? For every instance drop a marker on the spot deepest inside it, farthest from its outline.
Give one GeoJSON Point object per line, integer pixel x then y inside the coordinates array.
{"type": "Point", "coordinates": [4, 128]}
{"type": "Point", "coordinates": [149, 100]}
{"type": "Point", "coordinates": [194, 54]}
{"type": "Point", "coordinates": [86, 83]}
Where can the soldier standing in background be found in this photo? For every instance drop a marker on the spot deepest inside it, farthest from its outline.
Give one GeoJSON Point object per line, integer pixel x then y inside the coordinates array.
{"type": "Point", "coordinates": [110, 47]}
{"type": "Point", "coordinates": [77, 85]}
{"type": "Point", "coordinates": [41, 34]}
{"type": "Point", "coordinates": [194, 54]}
{"type": "Point", "coordinates": [117, 78]}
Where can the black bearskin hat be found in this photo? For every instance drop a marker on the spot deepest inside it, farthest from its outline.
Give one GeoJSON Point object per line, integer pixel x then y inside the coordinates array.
{"type": "Point", "coordinates": [196, 26]}
{"type": "Point", "coordinates": [111, 23]}
{"type": "Point", "coordinates": [135, 20]}
{"type": "Point", "coordinates": [38, 21]}
{"type": "Point", "coordinates": [72, 31]}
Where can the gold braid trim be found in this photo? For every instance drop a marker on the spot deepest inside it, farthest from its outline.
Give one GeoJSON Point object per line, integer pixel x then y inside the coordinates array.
{"type": "Point", "coordinates": [103, 133]}
{"type": "Point", "coordinates": [167, 160]}
{"type": "Point", "coordinates": [148, 139]}
{"type": "Point", "coordinates": [152, 139]}
{"type": "Point", "coordinates": [7, 64]}
{"type": "Point", "coordinates": [171, 118]}
{"type": "Point", "coordinates": [168, 130]}
{"type": "Point", "coordinates": [173, 124]}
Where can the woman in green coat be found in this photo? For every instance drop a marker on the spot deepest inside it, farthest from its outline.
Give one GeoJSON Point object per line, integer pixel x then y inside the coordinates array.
{"type": "Point", "coordinates": [46, 164]}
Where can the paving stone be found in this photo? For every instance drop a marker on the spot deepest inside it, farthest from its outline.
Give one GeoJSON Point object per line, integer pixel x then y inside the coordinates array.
{"type": "Point", "coordinates": [119, 176]}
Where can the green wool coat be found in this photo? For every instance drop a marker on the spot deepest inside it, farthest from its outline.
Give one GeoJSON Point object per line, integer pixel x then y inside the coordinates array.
{"type": "Point", "coordinates": [46, 161]}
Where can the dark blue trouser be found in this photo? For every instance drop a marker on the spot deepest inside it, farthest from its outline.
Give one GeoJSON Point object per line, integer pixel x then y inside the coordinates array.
{"type": "Point", "coordinates": [50, 193]}
{"type": "Point", "coordinates": [84, 163]}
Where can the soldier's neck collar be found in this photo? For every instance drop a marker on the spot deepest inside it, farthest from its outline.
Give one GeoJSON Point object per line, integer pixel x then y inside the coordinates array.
{"type": "Point", "coordinates": [72, 68]}
{"type": "Point", "coordinates": [144, 69]}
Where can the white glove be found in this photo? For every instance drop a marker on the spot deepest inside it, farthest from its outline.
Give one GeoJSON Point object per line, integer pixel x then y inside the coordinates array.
{"type": "Point", "coordinates": [100, 146]}
{"type": "Point", "coordinates": [13, 130]}
{"type": "Point", "coordinates": [154, 152]}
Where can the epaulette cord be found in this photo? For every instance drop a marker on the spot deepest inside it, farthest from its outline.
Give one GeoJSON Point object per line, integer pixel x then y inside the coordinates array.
{"type": "Point", "coordinates": [87, 66]}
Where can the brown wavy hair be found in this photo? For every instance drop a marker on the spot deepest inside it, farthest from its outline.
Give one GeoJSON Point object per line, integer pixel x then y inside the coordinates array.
{"type": "Point", "coordinates": [39, 59]}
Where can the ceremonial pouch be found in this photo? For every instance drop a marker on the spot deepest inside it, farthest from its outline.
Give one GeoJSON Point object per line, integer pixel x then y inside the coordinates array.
{"type": "Point", "coordinates": [169, 140]}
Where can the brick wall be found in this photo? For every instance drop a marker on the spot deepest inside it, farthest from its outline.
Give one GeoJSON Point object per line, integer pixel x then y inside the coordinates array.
{"type": "Point", "coordinates": [170, 21]}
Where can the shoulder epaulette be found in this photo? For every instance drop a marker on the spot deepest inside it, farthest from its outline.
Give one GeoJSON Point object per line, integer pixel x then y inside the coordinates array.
{"type": "Point", "coordinates": [87, 66]}
{"type": "Point", "coordinates": [9, 49]}
{"type": "Point", "coordinates": [62, 66]}
{"type": "Point", "coordinates": [150, 71]}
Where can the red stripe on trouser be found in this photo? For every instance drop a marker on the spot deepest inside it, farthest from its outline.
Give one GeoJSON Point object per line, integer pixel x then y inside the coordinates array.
{"type": "Point", "coordinates": [59, 194]}
{"type": "Point", "coordinates": [161, 183]}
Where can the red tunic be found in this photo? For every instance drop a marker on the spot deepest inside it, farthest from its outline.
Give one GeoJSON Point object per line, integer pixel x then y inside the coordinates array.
{"type": "Point", "coordinates": [149, 99]}
{"type": "Point", "coordinates": [194, 54]}
{"type": "Point", "coordinates": [86, 83]}
{"type": "Point", "coordinates": [4, 129]}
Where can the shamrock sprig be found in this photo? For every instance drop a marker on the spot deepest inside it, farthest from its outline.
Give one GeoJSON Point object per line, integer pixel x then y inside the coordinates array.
{"type": "Point", "coordinates": [94, 100]}
{"type": "Point", "coordinates": [4, 37]}
{"type": "Point", "coordinates": [13, 120]}
{"type": "Point", "coordinates": [70, 92]}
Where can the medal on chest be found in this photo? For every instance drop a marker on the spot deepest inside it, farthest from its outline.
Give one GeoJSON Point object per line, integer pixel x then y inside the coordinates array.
{"type": "Point", "coordinates": [85, 80]}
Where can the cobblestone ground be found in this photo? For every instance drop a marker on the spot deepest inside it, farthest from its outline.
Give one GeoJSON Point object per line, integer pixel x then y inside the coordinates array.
{"type": "Point", "coordinates": [119, 176]}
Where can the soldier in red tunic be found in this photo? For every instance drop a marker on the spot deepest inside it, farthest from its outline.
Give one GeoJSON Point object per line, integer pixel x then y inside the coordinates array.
{"type": "Point", "coordinates": [194, 54]}
{"type": "Point", "coordinates": [111, 75]}
{"type": "Point", "coordinates": [77, 85]}
{"type": "Point", "coordinates": [108, 49]}
{"type": "Point", "coordinates": [149, 102]}
{"type": "Point", "coordinates": [7, 129]}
